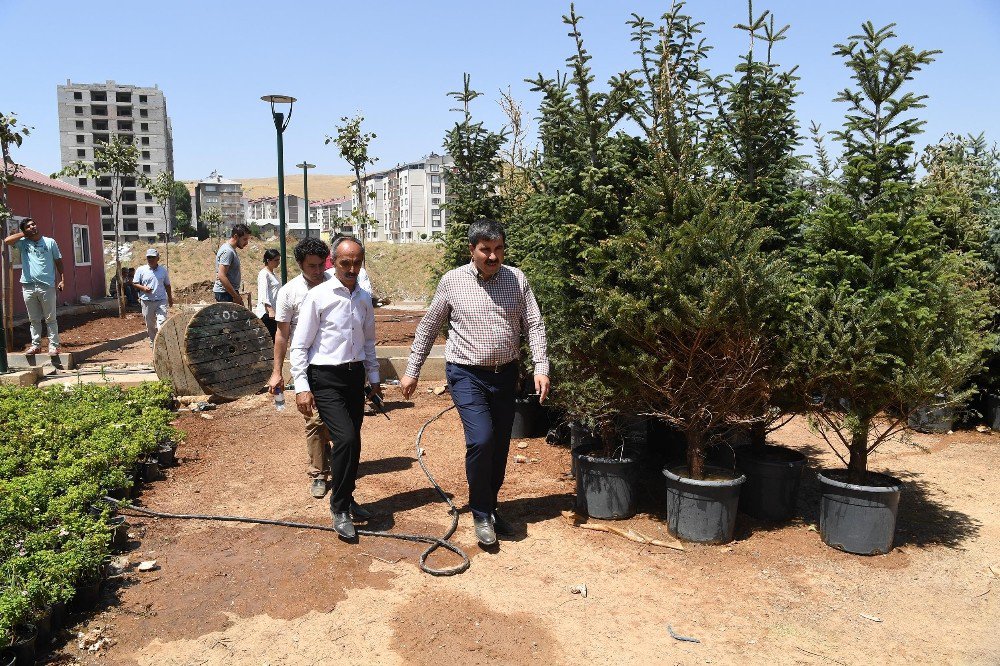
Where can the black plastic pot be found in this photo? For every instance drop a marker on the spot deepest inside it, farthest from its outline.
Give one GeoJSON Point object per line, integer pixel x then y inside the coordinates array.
{"type": "Point", "coordinates": [702, 511]}
{"type": "Point", "coordinates": [165, 456]}
{"type": "Point", "coordinates": [935, 419]}
{"type": "Point", "coordinates": [606, 487]}
{"type": "Point", "coordinates": [773, 477]}
{"type": "Point", "coordinates": [858, 519]}
{"type": "Point", "coordinates": [526, 418]}
{"type": "Point", "coordinates": [87, 594]}
{"type": "Point", "coordinates": [43, 624]}
{"type": "Point", "coordinates": [23, 646]}
{"type": "Point", "coordinates": [581, 441]}
{"type": "Point", "coordinates": [58, 616]}
{"type": "Point", "coordinates": [7, 658]}
{"type": "Point", "coordinates": [150, 471]}
{"type": "Point", "coordinates": [993, 411]}
{"type": "Point", "coordinates": [119, 532]}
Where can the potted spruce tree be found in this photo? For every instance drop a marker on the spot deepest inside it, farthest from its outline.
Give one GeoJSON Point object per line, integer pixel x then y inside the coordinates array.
{"type": "Point", "coordinates": [680, 301]}
{"type": "Point", "coordinates": [889, 315]}
{"type": "Point", "coordinates": [579, 188]}
{"type": "Point", "coordinates": [752, 140]}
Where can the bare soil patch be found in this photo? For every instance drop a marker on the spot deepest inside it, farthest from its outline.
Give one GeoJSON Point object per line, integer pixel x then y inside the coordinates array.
{"type": "Point", "coordinates": [86, 329]}
{"type": "Point", "coordinates": [231, 593]}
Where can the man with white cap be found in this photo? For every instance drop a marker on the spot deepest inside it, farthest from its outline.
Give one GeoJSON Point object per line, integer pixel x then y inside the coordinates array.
{"type": "Point", "coordinates": [155, 296]}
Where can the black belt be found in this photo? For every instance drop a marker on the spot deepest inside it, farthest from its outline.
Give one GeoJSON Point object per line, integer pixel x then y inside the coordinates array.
{"type": "Point", "coordinates": [495, 368]}
{"type": "Point", "coordinates": [350, 365]}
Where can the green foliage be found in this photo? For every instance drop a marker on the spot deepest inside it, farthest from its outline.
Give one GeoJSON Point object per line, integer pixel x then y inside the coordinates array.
{"type": "Point", "coordinates": [10, 135]}
{"type": "Point", "coordinates": [888, 317]}
{"type": "Point", "coordinates": [353, 146]}
{"type": "Point", "coordinates": [161, 188]}
{"type": "Point", "coordinates": [472, 182]}
{"type": "Point", "coordinates": [181, 200]}
{"type": "Point", "coordinates": [754, 133]}
{"type": "Point", "coordinates": [211, 220]}
{"type": "Point", "coordinates": [62, 451]}
{"type": "Point", "coordinates": [960, 194]}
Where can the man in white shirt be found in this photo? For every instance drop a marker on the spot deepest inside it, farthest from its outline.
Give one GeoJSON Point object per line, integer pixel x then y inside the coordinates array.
{"type": "Point", "coordinates": [155, 295]}
{"type": "Point", "coordinates": [333, 350]}
{"type": "Point", "coordinates": [311, 255]}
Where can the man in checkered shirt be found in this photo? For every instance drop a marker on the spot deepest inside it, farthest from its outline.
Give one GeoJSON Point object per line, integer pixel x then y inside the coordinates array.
{"type": "Point", "coordinates": [488, 306]}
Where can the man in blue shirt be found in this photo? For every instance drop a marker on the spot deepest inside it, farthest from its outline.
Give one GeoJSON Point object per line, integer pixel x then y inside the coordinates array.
{"type": "Point", "coordinates": [41, 261]}
{"type": "Point", "coordinates": [155, 295]}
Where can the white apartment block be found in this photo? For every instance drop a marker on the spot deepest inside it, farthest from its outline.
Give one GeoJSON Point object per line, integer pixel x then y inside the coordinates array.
{"type": "Point", "coordinates": [332, 217]}
{"type": "Point", "coordinates": [264, 213]}
{"type": "Point", "coordinates": [92, 113]}
{"type": "Point", "coordinates": [407, 201]}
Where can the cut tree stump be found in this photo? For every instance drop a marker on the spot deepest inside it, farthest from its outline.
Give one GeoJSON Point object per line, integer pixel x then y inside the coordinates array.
{"type": "Point", "coordinates": [222, 350]}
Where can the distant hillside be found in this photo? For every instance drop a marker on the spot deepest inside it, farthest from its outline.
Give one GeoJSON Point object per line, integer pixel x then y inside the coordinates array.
{"type": "Point", "coordinates": [321, 186]}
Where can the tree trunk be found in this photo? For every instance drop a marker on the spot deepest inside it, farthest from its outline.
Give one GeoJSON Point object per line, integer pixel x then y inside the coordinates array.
{"type": "Point", "coordinates": [758, 433]}
{"type": "Point", "coordinates": [695, 453]}
{"type": "Point", "coordinates": [857, 465]}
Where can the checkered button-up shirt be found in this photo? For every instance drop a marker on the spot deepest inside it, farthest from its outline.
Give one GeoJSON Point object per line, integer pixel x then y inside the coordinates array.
{"type": "Point", "coordinates": [487, 319]}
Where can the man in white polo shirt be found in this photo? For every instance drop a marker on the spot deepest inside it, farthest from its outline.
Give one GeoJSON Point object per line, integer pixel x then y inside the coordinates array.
{"type": "Point", "coordinates": [155, 294]}
{"type": "Point", "coordinates": [332, 354]}
{"type": "Point", "coordinates": [311, 255]}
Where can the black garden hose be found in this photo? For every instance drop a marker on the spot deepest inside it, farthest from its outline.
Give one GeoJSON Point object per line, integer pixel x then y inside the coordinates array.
{"type": "Point", "coordinates": [434, 542]}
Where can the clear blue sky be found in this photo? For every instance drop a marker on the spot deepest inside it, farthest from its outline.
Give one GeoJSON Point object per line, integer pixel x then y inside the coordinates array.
{"type": "Point", "coordinates": [395, 62]}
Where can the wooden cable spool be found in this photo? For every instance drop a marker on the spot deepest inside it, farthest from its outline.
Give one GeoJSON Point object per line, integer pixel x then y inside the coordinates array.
{"type": "Point", "coordinates": [222, 350]}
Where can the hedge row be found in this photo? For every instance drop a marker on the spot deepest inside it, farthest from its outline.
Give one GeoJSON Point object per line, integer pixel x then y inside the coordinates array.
{"type": "Point", "coordinates": [60, 452]}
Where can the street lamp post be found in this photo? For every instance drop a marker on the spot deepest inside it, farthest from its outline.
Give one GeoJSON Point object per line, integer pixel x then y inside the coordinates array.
{"type": "Point", "coordinates": [305, 166]}
{"type": "Point", "coordinates": [280, 123]}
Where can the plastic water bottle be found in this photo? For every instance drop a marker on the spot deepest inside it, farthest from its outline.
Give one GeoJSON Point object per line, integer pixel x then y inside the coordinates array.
{"type": "Point", "coordinates": [279, 399]}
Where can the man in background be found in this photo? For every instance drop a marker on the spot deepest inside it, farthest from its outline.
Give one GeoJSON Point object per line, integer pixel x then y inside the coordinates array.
{"type": "Point", "coordinates": [41, 275]}
{"type": "Point", "coordinates": [153, 283]}
{"type": "Point", "coordinates": [227, 266]}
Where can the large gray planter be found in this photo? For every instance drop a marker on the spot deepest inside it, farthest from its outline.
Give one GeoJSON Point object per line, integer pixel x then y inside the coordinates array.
{"type": "Point", "coordinates": [702, 511]}
{"type": "Point", "coordinates": [858, 519]}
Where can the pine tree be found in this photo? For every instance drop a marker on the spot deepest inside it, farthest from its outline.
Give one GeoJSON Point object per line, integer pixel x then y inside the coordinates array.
{"type": "Point", "coordinates": [888, 317]}
{"type": "Point", "coordinates": [472, 183]}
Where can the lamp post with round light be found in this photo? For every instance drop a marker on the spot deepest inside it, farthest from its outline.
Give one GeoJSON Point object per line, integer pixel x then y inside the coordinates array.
{"type": "Point", "coordinates": [280, 123]}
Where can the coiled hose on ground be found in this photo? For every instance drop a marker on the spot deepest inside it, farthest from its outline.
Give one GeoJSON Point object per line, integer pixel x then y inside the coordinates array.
{"type": "Point", "coordinates": [434, 542]}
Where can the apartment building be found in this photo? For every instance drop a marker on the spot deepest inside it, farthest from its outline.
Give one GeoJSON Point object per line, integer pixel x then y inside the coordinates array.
{"type": "Point", "coordinates": [407, 201]}
{"type": "Point", "coordinates": [222, 193]}
{"type": "Point", "coordinates": [332, 216]}
{"type": "Point", "coordinates": [264, 213]}
{"type": "Point", "coordinates": [89, 115]}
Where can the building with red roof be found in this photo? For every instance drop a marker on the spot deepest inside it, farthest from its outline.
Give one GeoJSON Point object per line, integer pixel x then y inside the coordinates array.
{"type": "Point", "coordinates": [70, 215]}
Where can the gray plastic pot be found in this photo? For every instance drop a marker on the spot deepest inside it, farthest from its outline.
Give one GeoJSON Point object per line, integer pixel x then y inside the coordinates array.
{"type": "Point", "coordinates": [935, 419]}
{"type": "Point", "coordinates": [526, 418]}
{"type": "Point", "coordinates": [859, 519]}
{"type": "Point", "coordinates": [773, 477]}
{"type": "Point", "coordinates": [993, 411]}
{"type": "Point", "coordinates": [606, 487]}
{"type": "Point", "coordinates": [23, 647]}
{"type": "Point", "coordinates": [702, 511]}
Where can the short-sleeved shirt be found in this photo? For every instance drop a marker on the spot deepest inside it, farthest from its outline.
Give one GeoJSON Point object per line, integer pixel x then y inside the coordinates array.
{"type": "Point", "coordinates": [158, 280]}
{"type": "Point", "coordinates": [288, 302]}
{"type": "Point", "coordinates": [38, 260]}
{"type": "Point", "coordinates": [226, 256]}
{"type": "Point", "coordinates": [267, 291]}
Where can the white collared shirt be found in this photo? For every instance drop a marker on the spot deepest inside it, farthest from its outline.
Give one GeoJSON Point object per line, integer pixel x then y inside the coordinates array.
{"type": "Point", "coordinates": [335, 326]}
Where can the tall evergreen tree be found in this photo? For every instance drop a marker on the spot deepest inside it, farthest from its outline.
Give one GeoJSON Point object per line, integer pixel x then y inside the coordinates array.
{"type": "Point", "coordinates": [888, 316]}
{"type": "Point", "coordinates": [472, 183]}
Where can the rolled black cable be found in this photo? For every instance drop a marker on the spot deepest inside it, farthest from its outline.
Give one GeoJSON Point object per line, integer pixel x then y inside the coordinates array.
{"type": "Point", "coordinates": [434, 542]}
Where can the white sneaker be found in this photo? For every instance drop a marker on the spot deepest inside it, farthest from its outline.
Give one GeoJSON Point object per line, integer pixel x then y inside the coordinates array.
{"type": "Point", "coordinates": [53, 350]}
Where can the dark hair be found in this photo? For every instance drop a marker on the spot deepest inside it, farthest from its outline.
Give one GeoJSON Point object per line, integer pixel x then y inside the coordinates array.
{"type": "Point", "coordinates": [240, 230]}
{"type": "Point", "coordinates": [24, 223]}
{"type": "Point", "coordinates": [340, 238]}
{"type": "Point", "coordinates": [488, 230]}
{"type": "Point", "coordinates": [270, 254]}
{"type": "Point", "coordinates": [313, 246]}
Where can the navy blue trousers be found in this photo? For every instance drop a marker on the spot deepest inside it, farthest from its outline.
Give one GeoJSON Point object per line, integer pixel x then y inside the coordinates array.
{"type": "Point", "coordinates": [485, 402]}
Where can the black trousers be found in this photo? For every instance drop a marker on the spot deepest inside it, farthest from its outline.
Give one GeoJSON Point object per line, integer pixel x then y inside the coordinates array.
{"type": "Point", "coordinates": [339, 391]}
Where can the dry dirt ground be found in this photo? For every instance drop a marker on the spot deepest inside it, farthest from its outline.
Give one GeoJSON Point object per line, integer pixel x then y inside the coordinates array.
{"type": "Point", "coordinates": [231, 593]}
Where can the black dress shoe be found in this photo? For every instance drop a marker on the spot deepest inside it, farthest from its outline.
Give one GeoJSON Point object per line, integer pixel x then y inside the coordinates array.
{"type": "Point", "coordinates": [358, 512]}
{"type": "Point", "coordinates": [484, 531]}
{"type": "Point", "coordinates": [501, 526]}
{"type": "Point", "coordinates": [343, 526]}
